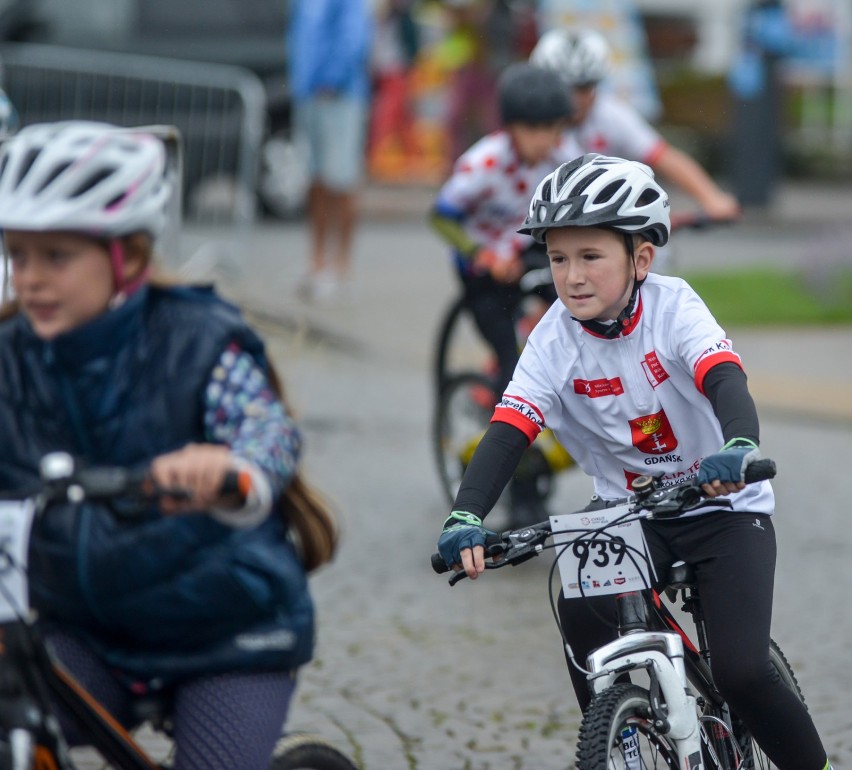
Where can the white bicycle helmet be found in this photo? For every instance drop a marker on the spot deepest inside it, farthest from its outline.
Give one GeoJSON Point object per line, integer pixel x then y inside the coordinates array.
{"type": "Point", "coordinates": [600, 191]}
{"type": "Point", "coordinates": [579, 56]}
{"type": "Point", "coordinates": [86, 177]}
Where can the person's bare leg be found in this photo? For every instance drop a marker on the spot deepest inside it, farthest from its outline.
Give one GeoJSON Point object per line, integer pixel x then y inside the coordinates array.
{"type": "Point", "coordinates": [319, 199]}
{"type": "Point", "coordinates": [345, 215]}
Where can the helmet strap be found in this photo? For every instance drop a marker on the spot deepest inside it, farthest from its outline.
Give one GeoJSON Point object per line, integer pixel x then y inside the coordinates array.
{"type": "Point", "coordinates": [622, 320]}
{"type": "Point", "coordinates": [123, 289]}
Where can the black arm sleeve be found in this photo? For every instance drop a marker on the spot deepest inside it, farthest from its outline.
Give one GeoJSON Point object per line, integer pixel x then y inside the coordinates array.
{"type": "Point", "coordinates": [491, 468]}
{"type": "Point", "coordinates": [726, 388]}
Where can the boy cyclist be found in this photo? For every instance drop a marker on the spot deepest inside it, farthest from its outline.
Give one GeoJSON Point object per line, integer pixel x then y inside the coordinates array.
{"type": "Point", "coordinates": [622, 349]}
{"type": "Point", "coordinates": [605, 124]}
{"type": "Point", "coordinates": [481, 206]}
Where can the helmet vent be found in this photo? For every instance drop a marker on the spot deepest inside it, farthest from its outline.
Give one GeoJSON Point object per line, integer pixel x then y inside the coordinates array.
{"type": "Point", "coordinates": [647, 197]}
{"type": "Point", "coordinates": [93, 181]}
{"type": "Point", "coordinates": [26, 164]}
{"type": "Point", "coordinates": [586, 181]}
{"type": "Point", "coordinates": [609, 192]}
{"type": "Point", "coordinates": [56, 172]}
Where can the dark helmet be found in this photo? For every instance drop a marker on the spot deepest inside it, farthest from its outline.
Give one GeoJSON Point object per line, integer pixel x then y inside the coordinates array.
{"type": "Point", "coordinates": [532, 95]}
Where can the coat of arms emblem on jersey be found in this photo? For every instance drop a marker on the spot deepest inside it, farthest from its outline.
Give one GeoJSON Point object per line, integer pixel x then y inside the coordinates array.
{"type": "Point", "coordinates": [652, 434]}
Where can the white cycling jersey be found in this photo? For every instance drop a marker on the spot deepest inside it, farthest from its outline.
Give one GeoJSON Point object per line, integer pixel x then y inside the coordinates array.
{"type": "Point", "coordinates": [490, 189]}
{"type": "Point", "coordinates": [630, 405]}
{"type": "Point", "coordinates": [613, 127]}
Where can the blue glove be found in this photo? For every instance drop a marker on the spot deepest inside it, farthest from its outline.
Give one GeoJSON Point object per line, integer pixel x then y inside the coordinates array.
{"type": "Point", "coordinates": [729, 464]}
{"type": "Point", "coordinates": [461, 530]}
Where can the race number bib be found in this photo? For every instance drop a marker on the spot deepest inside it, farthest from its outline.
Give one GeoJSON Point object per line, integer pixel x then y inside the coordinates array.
{"type": "Point", "coordinates": [16, 518]}
{"type": "Point", "coordinates": [598, 554]}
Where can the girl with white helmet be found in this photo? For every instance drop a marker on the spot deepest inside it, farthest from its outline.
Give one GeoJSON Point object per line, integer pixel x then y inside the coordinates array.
{"type": "Point", "coordinates": [605, 124]}
{"type": "Point", "coordinates": [99, 360]}
{"type": "Point", "coordinates": [634, 376]}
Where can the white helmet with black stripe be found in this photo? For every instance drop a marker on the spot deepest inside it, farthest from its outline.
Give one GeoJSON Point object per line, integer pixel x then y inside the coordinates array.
{"type": "Point", "coordinates": [600, 191]}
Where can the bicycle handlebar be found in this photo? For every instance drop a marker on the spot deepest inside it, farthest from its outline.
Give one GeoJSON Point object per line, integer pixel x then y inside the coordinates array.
{"type": "Point", "coordinates": [64, 480]}
{"type": "Point", "coordinates": [517, 546]}
{"type": "Point", "coordinates": [699, 221]}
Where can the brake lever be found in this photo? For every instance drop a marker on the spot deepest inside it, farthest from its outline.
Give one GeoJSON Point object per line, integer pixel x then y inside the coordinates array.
{"type": "Point", "coordinates": [670, 503]}
{"type": "Point", "coordinates": [461, 574]}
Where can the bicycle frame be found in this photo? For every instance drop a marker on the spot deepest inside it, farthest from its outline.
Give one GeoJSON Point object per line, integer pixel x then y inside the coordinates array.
{"type": "Point", "coordinates": [30, 684]}
{"type": "Point", "coordinates": [33, 682]}
{"type": "Point", "coordinates": [661, 655]}
{"type": "Point", "coordinates": [664, 650]}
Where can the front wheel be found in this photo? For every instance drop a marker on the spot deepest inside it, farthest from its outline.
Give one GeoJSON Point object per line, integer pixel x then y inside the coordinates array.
{"type": "Point", "coordinates": [618, 732]}
{"type": "Point", "coordinates": [301, 751]}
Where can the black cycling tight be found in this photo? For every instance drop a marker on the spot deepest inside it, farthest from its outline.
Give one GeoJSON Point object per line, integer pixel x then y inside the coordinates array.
{"type": "Point", "coordinates": [734, 558]}
{"type": "Point", "coordinates": [494, 307]}
{"type": "Point", "coordinates": [224, 722]}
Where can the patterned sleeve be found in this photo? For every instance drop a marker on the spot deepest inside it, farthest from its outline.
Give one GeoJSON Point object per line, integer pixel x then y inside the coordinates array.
{"type": "Point", "coordinates": [242, 411]}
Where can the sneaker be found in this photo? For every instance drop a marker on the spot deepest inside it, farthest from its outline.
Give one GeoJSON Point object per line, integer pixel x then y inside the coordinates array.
{"type": "Point", "coordinates": [320, 287]}
{"type": "Point", "coordinates": [326, 287]}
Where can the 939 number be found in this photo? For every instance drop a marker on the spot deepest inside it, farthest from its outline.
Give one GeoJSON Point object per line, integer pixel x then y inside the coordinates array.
{"type": "Point", "coordinates": [600, 552]}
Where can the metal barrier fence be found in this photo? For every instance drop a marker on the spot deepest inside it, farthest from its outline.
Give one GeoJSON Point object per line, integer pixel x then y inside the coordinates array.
{"type": "Point", "coordinates": [220, 111]}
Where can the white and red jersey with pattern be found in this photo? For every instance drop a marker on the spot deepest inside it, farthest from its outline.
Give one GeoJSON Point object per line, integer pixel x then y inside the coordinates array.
{"type": "Point", "coordinates": [490, 189]}
{"type": "Point", "coordinates": [613, 127]}
{"type": "Point", "coordinates": [634, 404]}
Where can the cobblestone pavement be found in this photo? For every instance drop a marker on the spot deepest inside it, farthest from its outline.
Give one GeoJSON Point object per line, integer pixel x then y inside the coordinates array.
{"type": "Point", "coordinates": [411, 674]}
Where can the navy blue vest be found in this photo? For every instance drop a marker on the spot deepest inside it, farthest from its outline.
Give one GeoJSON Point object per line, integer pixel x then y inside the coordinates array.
{"type": "Point", "coordinates": [164, 597]}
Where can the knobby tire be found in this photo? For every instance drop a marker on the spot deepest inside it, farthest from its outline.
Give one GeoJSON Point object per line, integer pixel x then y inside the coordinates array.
{"type": "Point", "coordinates": [618, 707]}
{"type": "Point", "coordinates": [308, 752]}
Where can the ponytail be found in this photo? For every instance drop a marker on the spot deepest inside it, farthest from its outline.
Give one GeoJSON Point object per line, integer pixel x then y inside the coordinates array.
{"type": "Point", "coordinates": [305, 512]}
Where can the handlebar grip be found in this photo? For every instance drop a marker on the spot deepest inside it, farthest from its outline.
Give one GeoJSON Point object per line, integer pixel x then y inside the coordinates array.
{"type": "Point", "coordinates": [237, 484]}
{"type": "Point", "coordinates": [760, 470]}
{"type": "Point", "coordinates": [440, 566]}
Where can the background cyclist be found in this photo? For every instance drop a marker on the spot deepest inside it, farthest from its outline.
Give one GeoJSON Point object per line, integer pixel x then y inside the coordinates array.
{"type": "Point", "coordinates": [205, 598]}
{"type": "Point", "coordinates": [628, 367]}
{"type": "Point", "coordinates": [479, 209]}
{"type": "Point", "coordinates": [605, 124]}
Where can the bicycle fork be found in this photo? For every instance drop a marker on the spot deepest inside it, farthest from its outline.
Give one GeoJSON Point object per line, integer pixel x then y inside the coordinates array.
{"type": "Point", "coordinates": [660, 654]}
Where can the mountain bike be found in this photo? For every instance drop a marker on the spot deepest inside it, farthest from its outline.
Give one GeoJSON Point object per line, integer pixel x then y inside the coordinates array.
{"type": "Point", "coordinates": [676, 718]}
{"type": "Point", "coordinates": [32, 681]}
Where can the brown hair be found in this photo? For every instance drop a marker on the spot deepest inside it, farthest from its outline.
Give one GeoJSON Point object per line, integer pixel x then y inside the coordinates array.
{"type": "Point", "coordinates": [306, 513]}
